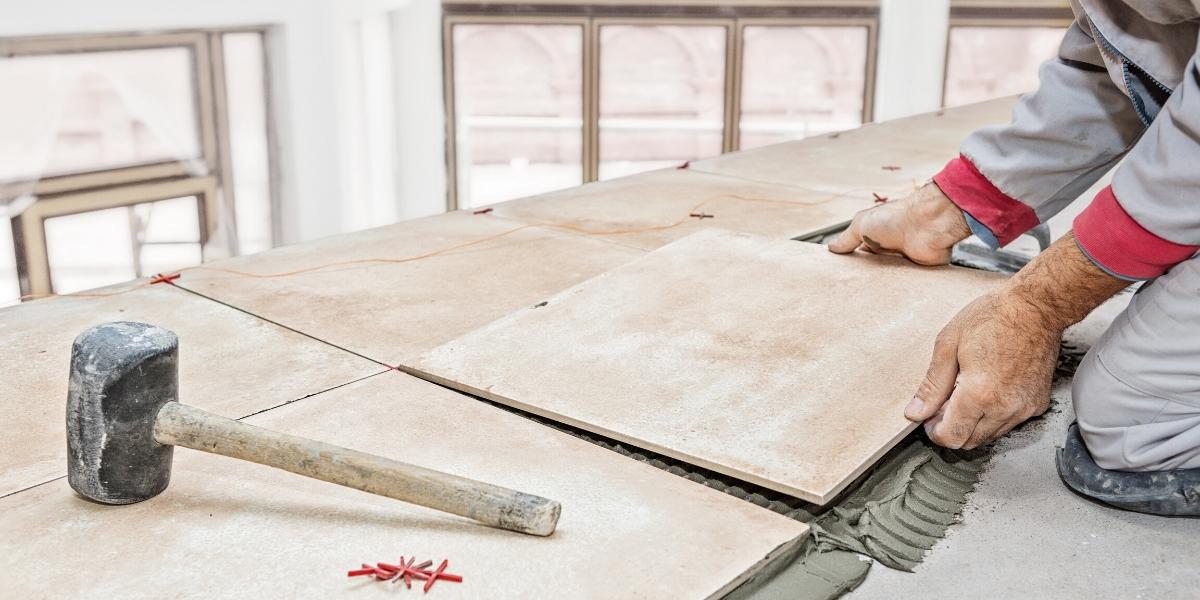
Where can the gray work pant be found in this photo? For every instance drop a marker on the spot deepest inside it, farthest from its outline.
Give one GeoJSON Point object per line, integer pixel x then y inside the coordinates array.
{"type": "Point", "coordinates": [1137, 392]}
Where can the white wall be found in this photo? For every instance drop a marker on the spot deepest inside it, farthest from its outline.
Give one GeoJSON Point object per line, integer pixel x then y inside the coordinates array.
{"type": "Point", "coordinates": [336, 166]}
{"type": "Point", "coordinates": [421, 113]}
{"type": "Point", "coordinates": [912, 57]}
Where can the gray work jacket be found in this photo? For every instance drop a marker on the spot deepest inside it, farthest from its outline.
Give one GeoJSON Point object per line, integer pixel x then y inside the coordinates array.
{"type": "Point", "coordinates": [1124, 85]}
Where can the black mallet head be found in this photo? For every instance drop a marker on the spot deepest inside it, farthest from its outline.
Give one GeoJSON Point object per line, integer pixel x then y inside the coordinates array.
{"type": "Point", "coordinates": [121, 375]}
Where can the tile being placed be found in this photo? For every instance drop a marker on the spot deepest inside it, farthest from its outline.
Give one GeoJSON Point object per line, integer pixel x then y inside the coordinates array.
{"type": "Point", "coordinates": [651, 209]}
{"type": "Point", "coordinates": [889, 158]}
{"type": "Point", "coordinates": [772, 361]}
{"type": "Point", "coordinates": [229, 363]}
{"type": "Point", "coordinates": [447, 275]}
{"type": "Point", "coordinates": [226, 528]}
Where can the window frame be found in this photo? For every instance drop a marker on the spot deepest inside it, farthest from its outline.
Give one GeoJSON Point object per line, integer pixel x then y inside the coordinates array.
{"type": "Point", "coordinates": [197, 42]}
{"type": "Point", "coordinates": [29, 227]}
{"type": "Point", "coordinates": [592, 15]}
{"type": "Point", "coordinates": [731, 32]}
{"type": "Point", "coordinates": [872, 26]}
{"type": "Point", "coordinates": [449, 97]}
{"type": "Point", "coordinates": [1048, 13]}
{"type": "Point", "coordinates": [63, 195]}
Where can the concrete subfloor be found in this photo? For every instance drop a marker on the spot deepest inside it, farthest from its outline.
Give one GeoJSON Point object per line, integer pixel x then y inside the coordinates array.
{"type": "Point", "coordinates": [1024, 534]}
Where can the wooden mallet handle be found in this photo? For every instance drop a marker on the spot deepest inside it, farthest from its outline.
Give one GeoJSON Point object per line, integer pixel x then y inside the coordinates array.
{"type": "Point", "coordinates": [181, 425]}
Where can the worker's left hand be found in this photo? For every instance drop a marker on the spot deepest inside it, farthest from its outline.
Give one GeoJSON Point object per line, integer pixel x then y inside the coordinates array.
{"type": "Point", "coordinates": [922, 226]}
{"type": "Point", "coordinates": [991, 370]}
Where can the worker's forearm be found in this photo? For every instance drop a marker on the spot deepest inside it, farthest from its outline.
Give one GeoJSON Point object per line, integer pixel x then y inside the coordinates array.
{"type": "Point", "coordinates": [1061, 286]}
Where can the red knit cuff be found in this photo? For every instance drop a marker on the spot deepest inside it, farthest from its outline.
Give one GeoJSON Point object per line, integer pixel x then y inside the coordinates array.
{"type": "Point", "coordinates": [1121, 246]}
{"type": "Point", "coordinates": [969, 190]}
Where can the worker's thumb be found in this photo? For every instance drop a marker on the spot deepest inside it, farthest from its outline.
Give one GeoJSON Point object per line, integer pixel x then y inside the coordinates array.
{"type": "Point", "coordinates": [848, 240]}
{"type": "Point", "coordinates": [939, 380]}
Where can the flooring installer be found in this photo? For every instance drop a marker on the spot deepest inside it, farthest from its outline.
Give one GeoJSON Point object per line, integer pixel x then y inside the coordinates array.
{"type": "Point", "coordinates": [1125, 85]}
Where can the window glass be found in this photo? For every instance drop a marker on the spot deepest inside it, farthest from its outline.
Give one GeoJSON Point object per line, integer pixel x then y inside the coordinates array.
{"type": "Point", "coordinates": [990, 62]}
{"type": "Point", "coordinates": [71, 113]}
{"type": "Point", "coordinates": [801, 81]}
{"type": "Point", "coordinates": [104, 247]}
{"type": "Point", "coordinates": [10, 290]}
{"type": "Point", "coordinates": [518, 110]}
{"type": "Point", "coordinates": [662, 96]}
{"type": "Point", "coordinates": [245, 86]}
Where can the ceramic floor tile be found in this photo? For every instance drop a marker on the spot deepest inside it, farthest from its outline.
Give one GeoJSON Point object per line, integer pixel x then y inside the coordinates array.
{"type": "Point", "coordinates": [392, 312]}
{"type": "Point", "coordinates": [889, 158]}
{"type": "Point", "coordinates": [772, 361]}
{"type": "Point", "coordinates": [226, 528]}
{"type": "Point", "coordinates": [229, 363]}
{"type": "Point", "coordinates": [651, 209]}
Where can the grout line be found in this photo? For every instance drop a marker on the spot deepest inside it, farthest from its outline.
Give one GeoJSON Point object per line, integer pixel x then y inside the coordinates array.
{"type": "Point", "coordinates": [329, 389]}
{"type": "Point", "coordinates": [15, 492]}
{"type": "Point", "coordinates": [278, 324]}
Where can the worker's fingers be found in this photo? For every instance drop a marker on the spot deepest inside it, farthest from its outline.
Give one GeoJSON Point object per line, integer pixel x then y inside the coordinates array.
{"type": "Point", "coordinates": [958, 421]}
{"type": "Point", "coordinates": [850, 238]}
{"type": "Point", "coordinates": [990, 429]}
{"type": "Point", "coordinates": [994, 427]}
{"type": "Point", "coordinates": [938, 384]}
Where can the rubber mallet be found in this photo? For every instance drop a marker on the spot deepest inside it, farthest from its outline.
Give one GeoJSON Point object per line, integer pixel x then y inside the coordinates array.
{"type": "Point", "coordinates": [123, 420]}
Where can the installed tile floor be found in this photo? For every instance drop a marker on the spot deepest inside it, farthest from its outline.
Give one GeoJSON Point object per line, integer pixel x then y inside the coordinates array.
{"type": "Point", "coordinates": [652, 209]}
{"type": "Point", "coordinates": [449, 274]}
{"type": "Point", "coordinates": [227, 528]}
{"type": "Point", "coordinates": [229, 363]}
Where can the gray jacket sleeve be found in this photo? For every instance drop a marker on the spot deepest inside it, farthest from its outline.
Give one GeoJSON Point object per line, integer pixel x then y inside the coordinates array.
{"type": "Point", "coordinates": [1061, 140]}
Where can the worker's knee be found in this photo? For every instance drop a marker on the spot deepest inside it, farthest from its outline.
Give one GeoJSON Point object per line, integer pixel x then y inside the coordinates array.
{"type": "Point", "coordinates": [1099, 423]}
{"type": "Point", "coordinates": [1128, 429]}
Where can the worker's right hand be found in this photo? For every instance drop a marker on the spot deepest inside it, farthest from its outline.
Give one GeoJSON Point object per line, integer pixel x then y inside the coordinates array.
{"type": "Point", "coordinates": [922, 226]}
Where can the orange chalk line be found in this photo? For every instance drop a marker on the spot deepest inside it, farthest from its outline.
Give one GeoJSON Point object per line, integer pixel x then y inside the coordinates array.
{"type": "Point", "coordinates": [528, 225]}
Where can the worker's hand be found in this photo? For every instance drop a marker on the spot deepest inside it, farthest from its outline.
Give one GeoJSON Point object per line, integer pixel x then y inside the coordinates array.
{"type": "Point", "coordinates": [991, 370]}
{"type": "Point", "coordinates": [922, 226]}
{"type": "Point", "coordinates": [992, 364]}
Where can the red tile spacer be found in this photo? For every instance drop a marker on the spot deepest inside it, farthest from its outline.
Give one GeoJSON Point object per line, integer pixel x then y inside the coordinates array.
{"type": "Point", "coordinates": [483, 211]}
{"type": "Point", "coordinates": [879, 199]}
{"type": "Point", "coordinates": [160, 278]}
{"type": "Point", "coordinates": [700, 216]}
{"type": "Point", "coordinates": [440, 574]}
{"type": "Point", "coordinates": [367, 570]}
{"type": "Point", "coordinates": [385, 571]}
{"type": "Point", "coordinates": [686, 164]}
{"type": "Point", "coordinates": [410, 571]}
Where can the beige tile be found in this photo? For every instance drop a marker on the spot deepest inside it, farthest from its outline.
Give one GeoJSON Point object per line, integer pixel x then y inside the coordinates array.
{"type": "Point", "coordinates": [772, 361]}
{"type": "Point", "coordinates": [232, 529]}
{"type": "Point", "coordinates": [652, 209]}
{"type": "Point", "coordinates": [485, 268]}
{"type": "Point", "coordinates": [229, 363]}
{"type": "Point", "coordinates": [889, 158]}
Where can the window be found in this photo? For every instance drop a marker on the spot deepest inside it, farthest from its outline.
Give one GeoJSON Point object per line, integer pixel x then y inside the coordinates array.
{"type": "Point", "coordinates": [662, 96]}
{"type": "Point", "coordinates": [91, 249]}
{"type": "Point", "coordinates": [124, 155]}
{"type": "Point", "coordinates": [76, 113]}
{"type": "Point", "coordinates": [994, 49]}
{"type": "Point", "coordinates": [518, 98]}
{"type": "Point", "coordinates": [78, 241]}
{"type": "Point", "coordinates": [799, 81]}
{"type": "Point", "coordinates": [994, 61]}
{"type": "Point", "coordinates": [541, 96]}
